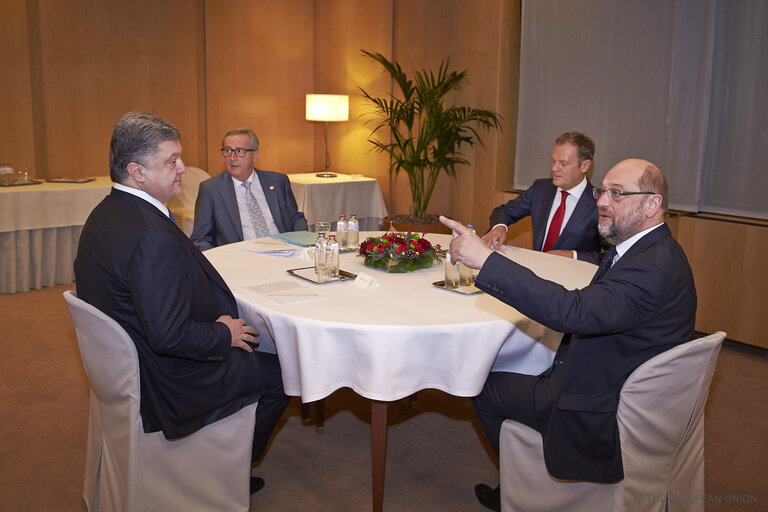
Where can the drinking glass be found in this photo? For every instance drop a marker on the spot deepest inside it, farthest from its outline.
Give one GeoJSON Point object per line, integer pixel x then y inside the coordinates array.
{"type": "Point", "coordinates": [322, 227]}
{"type": "Point", "coordinates": [22, 175]}
{"type": "Point", "coordinates": [451, 273]}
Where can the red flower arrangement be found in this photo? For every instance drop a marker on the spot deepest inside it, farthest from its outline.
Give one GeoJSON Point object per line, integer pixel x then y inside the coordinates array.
{"type": "Point", "coordinates": [399, 252]}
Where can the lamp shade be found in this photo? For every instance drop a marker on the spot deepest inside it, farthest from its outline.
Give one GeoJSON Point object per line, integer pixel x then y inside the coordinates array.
{"type": "Point", "coordinates": [327, 107]}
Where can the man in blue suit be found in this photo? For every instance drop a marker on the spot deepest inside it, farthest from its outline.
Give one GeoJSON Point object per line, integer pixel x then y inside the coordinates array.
{"type": "Point", "coordinates": [562, 209]}
{"type": "Point", "coordinates": [244, 202]}
{"type": "Point", "coordinates": [134, 264]}
{"type": "Point", "coordinates": [641, 302]}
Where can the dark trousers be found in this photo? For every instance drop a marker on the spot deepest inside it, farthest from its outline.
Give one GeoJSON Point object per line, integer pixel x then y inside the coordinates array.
{"type": "Point", "coordinates": [272, 403]}
{"type": "Point", "coordinates": [527, 399]}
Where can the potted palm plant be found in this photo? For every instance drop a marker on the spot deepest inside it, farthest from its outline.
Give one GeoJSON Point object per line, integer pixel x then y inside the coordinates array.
{"type": "Point", "coordinates": [421, 134]}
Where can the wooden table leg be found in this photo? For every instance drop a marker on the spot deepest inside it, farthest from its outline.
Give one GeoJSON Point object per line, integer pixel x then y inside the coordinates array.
{"type": "Point", "coordinates": [320, 416]}
{"type": "Point", "coordinates": [378, 451]}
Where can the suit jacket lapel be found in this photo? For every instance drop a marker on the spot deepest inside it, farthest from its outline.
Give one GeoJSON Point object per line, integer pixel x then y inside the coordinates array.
{"type": "Point", "coordinates": [542, 215]}
{"type": "Point", "coordinates": [580, 215]}
{"type": "Point", "coordinates": [645, 242]}
{"type": "Point", "coordinates": [271, 195]}
{"type": "Point", "coordinates": [227, 189]}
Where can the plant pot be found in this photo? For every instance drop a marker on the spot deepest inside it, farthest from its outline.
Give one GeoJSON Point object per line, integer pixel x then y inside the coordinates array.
{"type": "Point", "coordinates": [415, 227]}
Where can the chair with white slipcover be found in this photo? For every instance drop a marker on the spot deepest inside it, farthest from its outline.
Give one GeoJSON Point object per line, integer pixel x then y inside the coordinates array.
{"type": "Point", "coordinates": [661, 427]}
{"type": "Point", "coordinates": [130, 470]}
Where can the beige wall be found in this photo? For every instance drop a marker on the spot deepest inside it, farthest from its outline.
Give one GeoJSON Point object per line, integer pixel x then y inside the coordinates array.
{"type": "Point", "coordinates": [17, 139]}
{"type": "Point", "coordinates": [207, 67]}
{"type": "Point", "coordinates": [71, 68]}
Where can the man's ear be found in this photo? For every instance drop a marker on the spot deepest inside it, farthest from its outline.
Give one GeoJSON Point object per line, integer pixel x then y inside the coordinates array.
{"type": "Point", "coordinates": [584, 167]}
{"type": "Point", "coordinates": [136, 172]}
{"type": "Point", "coordinates": [653, 205]}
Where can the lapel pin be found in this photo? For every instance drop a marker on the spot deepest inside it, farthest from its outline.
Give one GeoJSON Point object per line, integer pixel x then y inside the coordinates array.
{"type": "Point", "coordinates": [271, 187]}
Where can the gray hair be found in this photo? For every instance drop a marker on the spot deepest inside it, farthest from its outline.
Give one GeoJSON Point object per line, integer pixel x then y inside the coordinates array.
{"type": "Point", "coordinates": [243, 131]}
{"type": "Point", "coordinates": [135, 138]}
{"type": "Point", "coordinates": [652, 180]}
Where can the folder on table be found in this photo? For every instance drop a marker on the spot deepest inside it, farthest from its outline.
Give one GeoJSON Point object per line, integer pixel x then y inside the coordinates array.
{"type": "Point", "coordinates": [301, 238]}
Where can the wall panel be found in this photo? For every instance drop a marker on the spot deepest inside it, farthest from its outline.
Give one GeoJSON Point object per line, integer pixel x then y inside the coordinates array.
{"type": "Point", "coordinates": [731, 279]}
{"type": "Point", "coordinates": [102, 59]}
{"type": "Point", "coordinates": [259, 64]}
{"type": "Point", "coordinates": [341, 68]}
{"type": "Point", "coordinates": [16, 122]}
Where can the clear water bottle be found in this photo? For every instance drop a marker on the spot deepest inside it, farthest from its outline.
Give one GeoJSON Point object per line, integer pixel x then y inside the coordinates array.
{"type": "Point", "coordinates": [467, 274]}
{"type": "Point", "coordinates": [342, 227]}
{"type": "Point", "coordinates": [333, 255]}
{"type": "Point", "coordinates": [353, 234]}
{"type": "Point", "coordinates": [321, 258]}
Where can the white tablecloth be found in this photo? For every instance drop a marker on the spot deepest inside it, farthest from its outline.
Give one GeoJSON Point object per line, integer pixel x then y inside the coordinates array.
{"type": "Point", "coordinates": [323, 199]}
{"type": "Point", "coordinates": [39, 230]}
{"type": "Point", "coordinates": [390, 341]}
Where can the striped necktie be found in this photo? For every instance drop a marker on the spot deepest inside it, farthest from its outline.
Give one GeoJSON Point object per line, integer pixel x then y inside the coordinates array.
{"type": "Point", "coordinates": [257, 217]}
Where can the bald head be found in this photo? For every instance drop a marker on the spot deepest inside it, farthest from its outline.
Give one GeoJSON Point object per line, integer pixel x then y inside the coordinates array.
{"type": "Point", "coordinates": [623, 216]}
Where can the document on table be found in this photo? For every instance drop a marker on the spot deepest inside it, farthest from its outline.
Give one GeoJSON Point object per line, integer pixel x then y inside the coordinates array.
{"type": "Point", "coordinates": [285, 292]}
{"type": "Point", "coordinates": [269, 248]}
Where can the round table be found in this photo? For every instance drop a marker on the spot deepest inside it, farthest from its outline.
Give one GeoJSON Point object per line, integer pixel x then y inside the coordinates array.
{"type": "Point", "coordinates": [395, 338]}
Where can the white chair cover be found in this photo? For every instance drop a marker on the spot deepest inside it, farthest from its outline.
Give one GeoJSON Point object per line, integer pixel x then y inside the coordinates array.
{"type": "Point", "coordinates": [129, 470]}
{"type": "Point", "coordinates": [183, 206]}
{"type": "Point", "coordinates": [661, 426]}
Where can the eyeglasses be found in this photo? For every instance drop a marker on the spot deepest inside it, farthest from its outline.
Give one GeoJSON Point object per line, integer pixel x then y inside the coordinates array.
{"type": "Point", "coordinates": [240, 152]}
{"type": "Point", "coordinates": [613, 194]}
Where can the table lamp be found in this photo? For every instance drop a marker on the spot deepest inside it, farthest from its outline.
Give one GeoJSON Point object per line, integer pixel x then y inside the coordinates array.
{"type": "Point", "coordinates": [327, 107]}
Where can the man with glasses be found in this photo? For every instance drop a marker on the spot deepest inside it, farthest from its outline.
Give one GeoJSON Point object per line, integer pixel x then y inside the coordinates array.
{"type": "Point", "coordinates": [244, 202]}
{"type": "Point", "coordinates": [562, 210]}
{"type": "Point", "coordinates": [641, 302]}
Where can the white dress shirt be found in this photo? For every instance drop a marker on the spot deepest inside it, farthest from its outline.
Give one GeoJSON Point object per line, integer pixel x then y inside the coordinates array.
{"type": "Point", "coordinates": [574, 194]}
{"type": "Point", "coordinates": [624, 246]}
{"type": "Point", "coordinates": [143, 195]}
{"type": "Point", "coordinates": [242, 207]}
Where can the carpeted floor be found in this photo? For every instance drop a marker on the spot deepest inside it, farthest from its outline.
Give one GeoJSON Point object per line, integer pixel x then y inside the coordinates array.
{"type": "Point", "coordinates": [435, 453]}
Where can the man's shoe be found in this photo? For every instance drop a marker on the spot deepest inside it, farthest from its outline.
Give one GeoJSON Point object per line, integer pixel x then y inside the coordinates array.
{"type": "Point", "coordinates": [256, 484]}
{"type": "Point", "coordinates": [490, 498]}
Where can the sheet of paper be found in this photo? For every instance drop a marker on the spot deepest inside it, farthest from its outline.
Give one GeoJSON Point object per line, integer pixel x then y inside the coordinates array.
{"type": "Point", "coordinates": [269, 248]}
{"type": "Point", "coordinates": [285, 292]}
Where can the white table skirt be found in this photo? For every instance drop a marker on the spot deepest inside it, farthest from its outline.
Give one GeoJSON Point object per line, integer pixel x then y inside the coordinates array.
{"type": "Point", "coordinates": [323, 199]}
{"type": "Point", "coordinates": [35, 258]}
{"type": "Point", "coordinates": [40, 228]}
{"type": "Point", "coordinates": [388, 342]}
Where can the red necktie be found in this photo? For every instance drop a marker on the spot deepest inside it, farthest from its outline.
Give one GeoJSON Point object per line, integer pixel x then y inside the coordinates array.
{"type": "Point", "coordinates": [556, 224]}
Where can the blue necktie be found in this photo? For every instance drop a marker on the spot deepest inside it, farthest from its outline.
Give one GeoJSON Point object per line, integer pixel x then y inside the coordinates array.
{"type": "Point", "coordinates": [606, 263]}
{"type": "Point", "coordinates": [170, 216]}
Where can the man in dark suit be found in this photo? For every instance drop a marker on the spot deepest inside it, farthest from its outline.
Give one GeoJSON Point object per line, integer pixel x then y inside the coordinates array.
{"type": "Point", "coordinates": [642, 305]}
{"type": "Point", "coordinates": [244, 202]}
{"type": "Point", "coordinates": [134, 264]}
{"type": "Point", "coordinates": [562, 209]}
